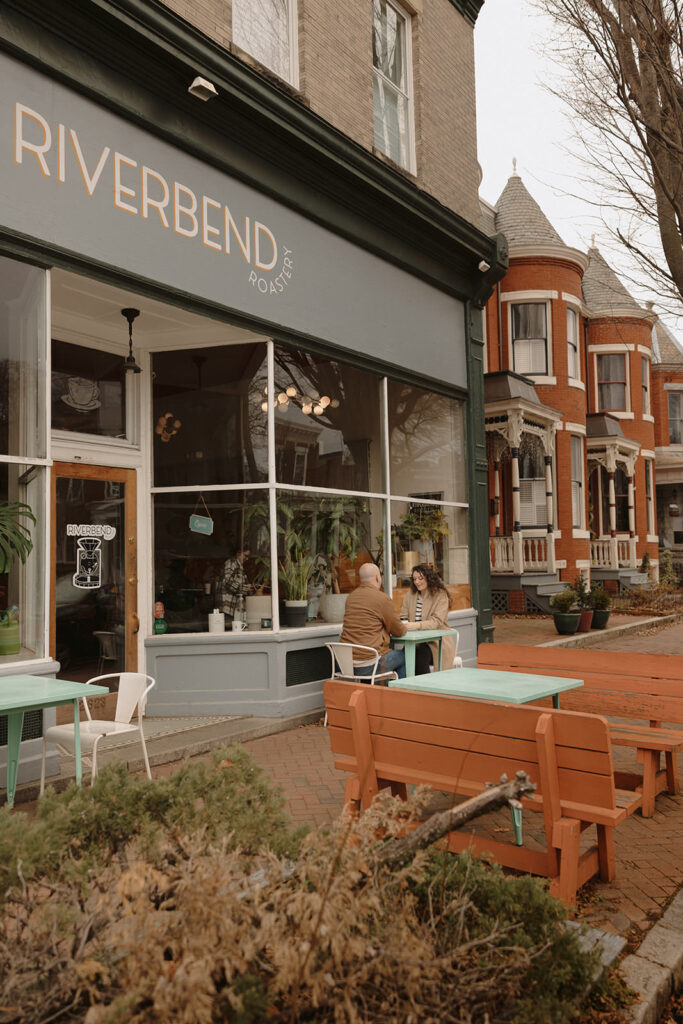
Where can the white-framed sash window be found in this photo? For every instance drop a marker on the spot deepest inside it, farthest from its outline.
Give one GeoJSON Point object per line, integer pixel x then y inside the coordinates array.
{"type": "Point", "coordinates": [266, 29]}
{"type": "Point", "coordinates": [577, 482]}
{"type": "Point", "coordinates": [392, 83]}
{"type": "Point", "coordinates": [529, 327]}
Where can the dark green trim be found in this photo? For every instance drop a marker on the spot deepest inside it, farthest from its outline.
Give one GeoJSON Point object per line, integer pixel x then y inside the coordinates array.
{"type": "Point", "coordinates": [136, 57]}
{"type": "Point", "coordinates": [468, 8]}
{"type": "Point", "coordinates": [477, 479]}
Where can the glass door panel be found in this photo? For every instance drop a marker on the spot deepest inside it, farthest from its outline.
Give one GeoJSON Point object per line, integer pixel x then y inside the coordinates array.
{"type": "Point", "coordinates": [94, 571]}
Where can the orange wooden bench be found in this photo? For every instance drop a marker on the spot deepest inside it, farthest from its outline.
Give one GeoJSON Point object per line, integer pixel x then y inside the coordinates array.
{"type": "Point", "coordinates": [625, 684]}
{"type": "Point", "coordinates": [394, 738]}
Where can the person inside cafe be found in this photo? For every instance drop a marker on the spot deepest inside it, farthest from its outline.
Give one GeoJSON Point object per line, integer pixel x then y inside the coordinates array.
{"type": "Point", "coordinates": [233, 584]}
{"type": "Point", "coordinates": [370, 618]}
{"type": "Point", "coordinates": [426, 606]}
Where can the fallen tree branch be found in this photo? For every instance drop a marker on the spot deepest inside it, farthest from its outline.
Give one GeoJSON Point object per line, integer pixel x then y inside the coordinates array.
{"type": "Point", "coordinates": [400, 851]}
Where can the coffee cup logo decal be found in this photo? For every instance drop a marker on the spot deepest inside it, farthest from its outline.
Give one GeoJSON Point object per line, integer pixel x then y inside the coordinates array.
{"type": "Point", "coordinates": [82, 394]}
{"type": "Point", "coordinates": [88, 575]}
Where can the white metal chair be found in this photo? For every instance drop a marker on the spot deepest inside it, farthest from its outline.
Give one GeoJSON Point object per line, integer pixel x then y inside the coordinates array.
{"type": "Point", "coordinates": [342, 656]}
{"type": "Point", "coordinates": [133, 690]}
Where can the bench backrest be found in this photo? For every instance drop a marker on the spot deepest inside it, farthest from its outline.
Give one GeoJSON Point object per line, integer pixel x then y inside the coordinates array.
{"type": "Point", "coordinates": [459, 745]}
{"type": "Point", "coordinates": [626, 684]}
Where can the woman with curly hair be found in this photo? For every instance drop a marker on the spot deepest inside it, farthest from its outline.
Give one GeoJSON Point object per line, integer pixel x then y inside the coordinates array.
{"type": "Point", "coordinates": [426, 607]}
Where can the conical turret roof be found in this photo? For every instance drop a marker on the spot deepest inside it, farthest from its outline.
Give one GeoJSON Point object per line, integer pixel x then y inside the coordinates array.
{"type": "Point", "coordinates": [602, 289]}
{"type": "Point", "coordinates": [667, 349]}
{"type": "Point", "coordinates": [521, 219]}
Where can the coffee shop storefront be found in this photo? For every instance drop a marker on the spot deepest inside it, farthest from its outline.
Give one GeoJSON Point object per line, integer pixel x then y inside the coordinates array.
{"type": "Point", "coordinates": [194, 373]}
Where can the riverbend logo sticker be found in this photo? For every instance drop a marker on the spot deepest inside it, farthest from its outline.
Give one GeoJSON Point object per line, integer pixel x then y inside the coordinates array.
{"type": "Point", "coordinates": [135, 188]}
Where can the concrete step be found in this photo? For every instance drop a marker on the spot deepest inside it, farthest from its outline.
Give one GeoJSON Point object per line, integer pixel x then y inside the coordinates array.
{"type": "Point", "coordinates": [551, 588]}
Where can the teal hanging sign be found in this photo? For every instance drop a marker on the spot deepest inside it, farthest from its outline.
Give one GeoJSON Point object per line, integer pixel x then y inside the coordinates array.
{"type": "Point", "coordinates": [201, 524]}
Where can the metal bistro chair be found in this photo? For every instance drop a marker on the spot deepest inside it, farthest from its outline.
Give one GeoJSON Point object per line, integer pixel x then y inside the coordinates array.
{"type": "Point", "coordinates": [108, 648]}
{"type": "Point", "coordinates": [133, 690]}
{"type": "Point", "coordinates": [342, 656]}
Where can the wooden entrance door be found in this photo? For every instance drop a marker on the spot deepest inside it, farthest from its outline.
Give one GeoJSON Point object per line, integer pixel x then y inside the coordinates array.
{"type": "Point", "coordinates": [94, 601]}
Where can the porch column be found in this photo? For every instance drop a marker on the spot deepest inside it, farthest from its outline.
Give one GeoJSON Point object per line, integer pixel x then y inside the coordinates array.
{"type": "Point", "coordinates": [631, 521]}
{"type": "Point", "coordinates": [549, 510]}
{"type": "Point", "coordinates": [517, 552]}
{"type": "Point", "coordinates": [613, 552]}
{"type": "Point", "coordinates": [496, 494]}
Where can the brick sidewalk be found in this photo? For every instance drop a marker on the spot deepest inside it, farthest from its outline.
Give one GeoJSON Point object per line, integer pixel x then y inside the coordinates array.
{"type": "Point", "coordinates": [649, 850]}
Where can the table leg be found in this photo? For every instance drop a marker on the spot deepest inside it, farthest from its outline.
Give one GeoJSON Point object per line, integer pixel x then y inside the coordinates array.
{"type": "Point", "coordinates": [440, 639]}
{"type": "Point", "coordinates": [15, 724]}
{"type": "Point", "coordinates": [77, 744]}
{"type": "Point", "coordinates": [409, 648]}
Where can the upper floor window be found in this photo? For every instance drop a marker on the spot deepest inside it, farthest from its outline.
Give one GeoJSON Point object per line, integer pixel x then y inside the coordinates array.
{"type": "Point", "coordinates": [645, 372]}
{"type": "Point", "coordinates": [573, 370]}
{"type": "Point", "coordinates": [675, 417]}
{"type": "Point", "coordinates": [530, 338]}
{"type": "Point", "coordinates": [533, 509]}
{"type": "Point", "coordinates": [649, 497]}
{"type": "Point", "coordinates": [266, 30]}
{"type": "Point", "coordinates": [577, 481]}
{"type": "Point", "coordinates": [392, 89]}
{"type": "Point", "coordinates": [612, 382]}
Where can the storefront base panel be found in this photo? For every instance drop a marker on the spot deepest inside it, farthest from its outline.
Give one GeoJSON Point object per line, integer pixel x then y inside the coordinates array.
{"type": "Point", "coordinates": [30, 752]}
{"type": "Point", "coordinates": [254, 673]}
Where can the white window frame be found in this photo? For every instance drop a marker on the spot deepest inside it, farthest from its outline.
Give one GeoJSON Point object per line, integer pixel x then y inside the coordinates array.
{"type": "Point", "coordinates": [573, 313]}
{"type": "Point", "coordinates": [293, 41]}
{"type": "Point", "coordinates": [539, 378]}
{"type": "Point", "coordinates": [646, 385]}
{"type": "Point", "coordinates": [679, 395]}
{"type": "Point", "coordinates": [578, 489]}
{"type": "Point", "coordinates": [649, 496]}
{"type": "Point", "coordinates": [613, 350]}
{"type": "Point", "coordinates": [407, 18]}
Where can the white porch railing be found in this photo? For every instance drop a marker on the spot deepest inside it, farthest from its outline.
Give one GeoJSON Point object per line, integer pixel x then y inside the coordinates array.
{"type": "Point", "coordinates": [533, 553]}
{"type": "Point", "coordinates": [624, 552]}
{"type": "Point", "coordinates": [502, 554]}
{"type": "Point", "coordinates": [613, 553]}
{"type": "Point", "coordinates": [600, 554]}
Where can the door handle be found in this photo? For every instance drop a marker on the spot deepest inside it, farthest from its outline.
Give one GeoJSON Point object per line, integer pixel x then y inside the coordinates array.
{"type": "Point", "coordinates": [136, 623]}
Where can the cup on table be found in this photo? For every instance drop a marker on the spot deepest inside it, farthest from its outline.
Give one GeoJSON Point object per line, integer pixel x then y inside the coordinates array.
{"type": "Point", "coordinates": [238, 625]}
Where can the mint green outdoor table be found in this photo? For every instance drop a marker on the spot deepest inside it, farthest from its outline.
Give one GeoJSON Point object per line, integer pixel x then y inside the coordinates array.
{"type": "Point", "coordinates": [419, 636]}
{"type": "Point", "coordinates": [490, 684]}
{"type": "Point", "coordinates": [34, 693]}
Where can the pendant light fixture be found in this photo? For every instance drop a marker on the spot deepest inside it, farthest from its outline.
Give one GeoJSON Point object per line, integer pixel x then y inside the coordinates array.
{"type": "Point", "coordinates": [129, 362]}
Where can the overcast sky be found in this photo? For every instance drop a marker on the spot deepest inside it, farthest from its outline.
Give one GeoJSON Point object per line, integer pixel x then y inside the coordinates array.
{"type": "Point", "coordinates": [516, 117]}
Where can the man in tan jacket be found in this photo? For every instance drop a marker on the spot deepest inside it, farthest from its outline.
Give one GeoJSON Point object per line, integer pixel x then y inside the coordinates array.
{"type": "Point", "coordinates": [370, 619]}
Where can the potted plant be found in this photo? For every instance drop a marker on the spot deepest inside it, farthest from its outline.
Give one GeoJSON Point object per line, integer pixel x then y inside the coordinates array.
{"type": "Point", "coordinates": [338, 531]}
{"type": "Point", "coordinates": [565, 615]}
{"type": "Point", "coordinates": [600, 603]}
{"type": "Point", "coordinates": [420, 530]}
{"type": "Point", "coordinates": [15, 542]}
{"type": "Point", "coordinates": [583, 599]}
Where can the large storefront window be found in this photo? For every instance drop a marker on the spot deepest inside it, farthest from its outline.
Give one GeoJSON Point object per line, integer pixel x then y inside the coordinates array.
{"type": "Point", "coordinates": [326, 479]}
{"type": "Point", "coordinates": [209, 427]}
{"type": "Point", "coordinates": [327, 423]}
{"type": "Point", "coordinates": [426, 444]}
{"type": "Point", "coordinates": [22, 360]}
{"type": "Point", "coordinates": [22, 584]}
{"type": "Point", "coordinates": [229, 559]}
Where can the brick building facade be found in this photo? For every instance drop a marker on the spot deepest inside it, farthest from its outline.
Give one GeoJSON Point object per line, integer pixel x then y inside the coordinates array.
{"type": "Point", "coordinates": [577, 419]}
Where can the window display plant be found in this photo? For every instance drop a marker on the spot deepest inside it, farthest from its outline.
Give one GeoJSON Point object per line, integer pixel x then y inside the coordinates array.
{"type": "Point", "coordinates": [15, 542]}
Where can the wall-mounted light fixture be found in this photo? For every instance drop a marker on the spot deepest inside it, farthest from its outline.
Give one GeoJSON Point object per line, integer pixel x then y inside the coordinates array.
{"type": "Point", "coordinates": [129, 363]}
{"type": "Point", "coordinates": [202, 89]}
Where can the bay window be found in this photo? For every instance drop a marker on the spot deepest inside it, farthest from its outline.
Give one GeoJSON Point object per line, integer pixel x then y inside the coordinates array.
{"type": "Point", "coordinates": [611, 382]}
{"type": "Point", "coordinates": [530, 338]}
{"type": "Point", "coordinates": [675, 417]}
{"type": "Point", "coordinates": [577, 482]}
{"type": "Point", "coordinates": [645, 390]}
{"type": "Point", "coordinates": [573, 365]}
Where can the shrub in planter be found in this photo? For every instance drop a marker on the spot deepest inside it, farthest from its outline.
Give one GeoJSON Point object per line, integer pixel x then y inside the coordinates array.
{"type": "Point", "coordinates": [565, 614]}
{"type": "Point", "coordinates": [600, 603]}
{"type": "Point", "coordinates": [583, 599]}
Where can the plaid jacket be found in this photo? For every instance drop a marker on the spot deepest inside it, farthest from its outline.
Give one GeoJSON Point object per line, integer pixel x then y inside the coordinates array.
{"type": "Point", "coordinates": [232, 584]}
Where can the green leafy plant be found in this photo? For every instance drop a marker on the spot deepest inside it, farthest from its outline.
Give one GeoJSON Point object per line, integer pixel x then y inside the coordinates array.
{"type": "Point", "coordinates": [600, 600]}
{"type": "Point", "coordinates": [565, 601]}
{"type": "Point", "coordinates": [580, 586]}
{"type": "Point", "coordinates": [425, 523]}
{"type": "Point", "coordinates": [294, 574]}
{"type": "Point", "coordinates": [15, 536]}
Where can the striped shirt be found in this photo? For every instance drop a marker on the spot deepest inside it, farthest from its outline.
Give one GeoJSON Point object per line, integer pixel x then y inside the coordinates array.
{"type": "Point", "coordinates": [418, 609]}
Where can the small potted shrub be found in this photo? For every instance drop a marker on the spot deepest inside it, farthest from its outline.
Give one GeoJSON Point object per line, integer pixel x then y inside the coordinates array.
{"type": "Point", "coordinates": [600, 603]}
{"type": "Point", "coordinates": [565, 613]}
{"type": "Point", "coordinates": [583, 600]}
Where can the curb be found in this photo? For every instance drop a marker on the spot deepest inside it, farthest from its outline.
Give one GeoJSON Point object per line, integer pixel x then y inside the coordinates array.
{"type": "Point", "coordinates": [655, 970]}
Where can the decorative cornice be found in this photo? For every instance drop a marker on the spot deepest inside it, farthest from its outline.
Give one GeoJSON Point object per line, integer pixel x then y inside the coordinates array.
{"type": "Point", "coordinates": [469, 8]}
{"type": "Point", "coordinates": [553, 252]}
{"type": "Point", "coordinates": [137, 57]}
